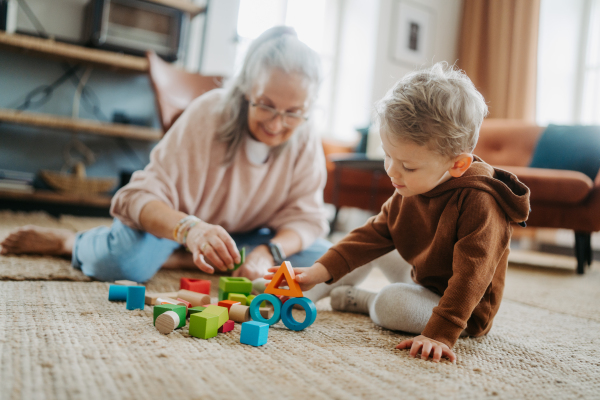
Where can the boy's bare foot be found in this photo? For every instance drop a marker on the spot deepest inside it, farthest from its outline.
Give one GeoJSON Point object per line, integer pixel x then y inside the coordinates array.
{"type": "Point", "coordinates": [31, 239]}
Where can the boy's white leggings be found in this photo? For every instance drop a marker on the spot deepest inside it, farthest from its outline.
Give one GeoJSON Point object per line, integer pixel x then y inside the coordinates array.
{"type": "Point", "coordinates": [402, 305]}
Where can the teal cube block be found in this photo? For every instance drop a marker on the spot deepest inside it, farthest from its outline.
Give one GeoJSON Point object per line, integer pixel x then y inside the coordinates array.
{"type": "Point", "coordinates": [136, 297]}
{"type": "Point", "coordinates": [254, 333]}
{"type": "Point", "coordinates": [204, 325]}
{"type": "Point", "coordinates": [235, 285]}
{"type": "Point", "coordinates": [180, 310]}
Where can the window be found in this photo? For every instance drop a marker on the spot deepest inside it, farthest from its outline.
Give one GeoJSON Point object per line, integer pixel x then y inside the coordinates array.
{"type": "Point", "coordinates": [313, 20]}
{"type": "Point", "coordinates": [569, 62]}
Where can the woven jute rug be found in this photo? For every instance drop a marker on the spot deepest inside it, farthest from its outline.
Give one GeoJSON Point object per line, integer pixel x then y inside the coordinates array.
{"type": "Point", "coordinates": [61, 338]}
{"type": "Point", "coordinates": [65, 340]}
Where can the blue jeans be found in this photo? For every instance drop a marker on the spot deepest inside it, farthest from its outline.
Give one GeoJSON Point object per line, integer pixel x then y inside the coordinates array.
{"type": "Point", "coordinates": [120, 252]}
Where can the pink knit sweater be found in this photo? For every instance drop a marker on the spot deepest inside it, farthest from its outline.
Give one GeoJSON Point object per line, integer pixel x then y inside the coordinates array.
{"type": "Point", "coordinates": [186, 172]}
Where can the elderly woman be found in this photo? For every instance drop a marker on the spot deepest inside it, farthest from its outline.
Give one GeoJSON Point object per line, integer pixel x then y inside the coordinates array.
{"type": "Point", "coordinates": [238, 160]}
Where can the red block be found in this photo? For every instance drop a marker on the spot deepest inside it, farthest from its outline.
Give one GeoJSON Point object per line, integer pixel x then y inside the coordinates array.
{"type": "Point", "coordinates": [227, 303]}
{"type": "Point", "coordinates": [187, 303]}
{"type": "Point", "coordinates": [195, 285]}
{"type": "Point", "coordinates": [227, 326]}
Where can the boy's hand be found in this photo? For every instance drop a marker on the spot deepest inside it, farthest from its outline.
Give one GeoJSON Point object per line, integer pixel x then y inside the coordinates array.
{"type": "Point", "coordinates": [307, 278]}
{"type": "Point", "coordinates": [427, 346]}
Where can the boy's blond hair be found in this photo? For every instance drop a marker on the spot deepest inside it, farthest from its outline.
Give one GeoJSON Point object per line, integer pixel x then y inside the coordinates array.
{"type": "Point", "coordinates": [438, 107]}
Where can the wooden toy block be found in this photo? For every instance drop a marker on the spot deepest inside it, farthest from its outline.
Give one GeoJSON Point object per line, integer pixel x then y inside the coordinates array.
{"type": "Point", "coordinates": [255, 312]}
{"type": "Point", "coordinates": [220, 312]}
{"type": "Point", "coordinates": [230, 284]}
{"type": "Point", "coordinates": [151, 297]}
{"type": "Point", "coordinates": [239, 313]}
{"type": "Point", "coordinates": [265, 312]}
{"type": "Point", "coordinates": [136, 296]}
{"type": "Point", "coordinates": [223, 295]}
{"type": "Point", "coordinates": [288, 318]}
{"type": "Point", "coordinates": [227, 326]}
{"type": "Point", "coordinates": [286, 272]}
{"type": "Point", "coordinates": [117, 293]}
{"type": "Point", "coordinates": [228, 304]}
{"type": "Point", "coordinates": [194, 310]}
{"type": "Point", "coordinates": [204, 325]}
{"type": "Point", "coordinates": [249, 298]}
{"type": "Point", "coordinates": [186, 303]}
{"type": "Point", "coordinates": [243, 259]}
{"type": "Point", "coordinates": [194, 298]}
{"type": "Point", "coordinates": [237, 297]}
{"type": "Point", "coordinates": [167, 322]}
{"type": "Point", "coordinates": [126, 283]}
{"type": "Point", "coordinates": [180, 310]}
{"type": "Point", "coordinates": [254, 333]}
{"type": "Point", "coordinates": [168, 300]}
{"type": "Point", "coordinates": [195, 285]}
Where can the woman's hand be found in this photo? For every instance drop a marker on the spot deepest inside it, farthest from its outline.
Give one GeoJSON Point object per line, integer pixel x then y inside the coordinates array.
{"type": "Point", "coordinates": [427, 346]}
{"type": "Point", "coordinates": [213, 243]}
{"type": "Point", "coordinates": [307, 278]}
{"type": "Point", "coordinates": [257, 263]}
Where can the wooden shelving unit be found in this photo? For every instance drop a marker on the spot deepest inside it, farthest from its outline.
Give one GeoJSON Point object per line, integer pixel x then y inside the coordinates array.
{"type": "Point", "coordinates": [58, 198]}
{"type": "Point", "coordinates": [184, 5]}
{"type": "Point", "coordinates": [71, 52]}
{"type": "Point", "coordinates": [79, 125]}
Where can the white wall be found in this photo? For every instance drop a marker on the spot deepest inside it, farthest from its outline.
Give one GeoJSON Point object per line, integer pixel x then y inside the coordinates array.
{"type": "Point", "coordinates": [446, 15]}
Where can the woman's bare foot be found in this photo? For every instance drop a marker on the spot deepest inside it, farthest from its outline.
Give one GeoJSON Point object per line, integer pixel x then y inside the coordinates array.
{"type": "Point", "coordinates": [31, 239]}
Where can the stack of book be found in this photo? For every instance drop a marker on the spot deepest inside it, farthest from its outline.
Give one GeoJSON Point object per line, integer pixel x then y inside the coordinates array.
{"type": "Point", "coordinates": [16, 181]}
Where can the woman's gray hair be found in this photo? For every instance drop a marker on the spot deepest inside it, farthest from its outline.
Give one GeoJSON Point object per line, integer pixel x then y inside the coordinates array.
{"type": "Point", "coordinates": [278, 47]}
{"type": "Point", "coordinates": [438, 107]}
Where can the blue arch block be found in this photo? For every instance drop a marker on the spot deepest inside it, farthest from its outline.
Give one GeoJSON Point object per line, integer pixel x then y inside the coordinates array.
{"type": "Point", "coordinates": [288, 318]}
{"type": "Point", "coordinates": [255, 308]}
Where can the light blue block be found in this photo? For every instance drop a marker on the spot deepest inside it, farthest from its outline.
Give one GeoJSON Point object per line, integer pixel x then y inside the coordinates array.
{"type": "Point", "coordinates": [288, 318]}
{"type": "Point", "coordinates": [254, 333]}
{"type": "Point", "coordinates": [135, 297]}
{"type": "Point", "coordinates": [117, 293]}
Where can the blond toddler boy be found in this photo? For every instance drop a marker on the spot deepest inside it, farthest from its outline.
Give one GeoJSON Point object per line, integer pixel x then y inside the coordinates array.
{"type": "Point", "coordinates": [449, 219]}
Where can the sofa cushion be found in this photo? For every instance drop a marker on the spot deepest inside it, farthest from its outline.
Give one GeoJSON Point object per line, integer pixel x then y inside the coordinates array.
{"type": "Point", "coordinates": [575, 148]}
{"type": "Point", "coordinates": [553, 186]}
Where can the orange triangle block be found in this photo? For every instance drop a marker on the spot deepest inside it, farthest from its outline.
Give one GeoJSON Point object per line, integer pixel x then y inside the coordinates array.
{"type": "Point", "coordinates": [285, 271]}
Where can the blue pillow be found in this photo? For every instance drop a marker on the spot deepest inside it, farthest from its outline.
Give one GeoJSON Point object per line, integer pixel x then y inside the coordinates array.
{"type": "Point", "coordinates": [570, 147]}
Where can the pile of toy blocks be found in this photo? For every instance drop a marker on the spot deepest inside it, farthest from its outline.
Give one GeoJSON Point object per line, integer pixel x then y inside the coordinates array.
{"type": "Point", "coordinates": [236, 303]}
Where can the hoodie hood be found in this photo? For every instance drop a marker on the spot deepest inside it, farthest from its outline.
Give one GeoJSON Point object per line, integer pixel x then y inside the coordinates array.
{"type": "Point", "coordinates": [510, 193]}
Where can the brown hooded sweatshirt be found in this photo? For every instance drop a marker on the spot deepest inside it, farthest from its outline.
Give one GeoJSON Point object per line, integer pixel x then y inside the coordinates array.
{"type": "Point", "coordinates": [456, 237]}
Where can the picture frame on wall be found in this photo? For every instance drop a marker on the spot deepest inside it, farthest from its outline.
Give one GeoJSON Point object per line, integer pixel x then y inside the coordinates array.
{"type": "Point", "coordinates": [413, 33]}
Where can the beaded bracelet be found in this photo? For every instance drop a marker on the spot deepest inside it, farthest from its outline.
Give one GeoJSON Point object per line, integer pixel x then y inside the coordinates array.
{"type": "Point", "coordinates": [183, 227]}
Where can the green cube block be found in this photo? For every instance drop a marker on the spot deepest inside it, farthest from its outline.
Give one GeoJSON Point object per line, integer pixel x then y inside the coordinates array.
{"type": "Point", "coordinates": [194, 310]}
{"type": "Point", "coordinates": [204, 325]}
{"type": "Point", "coordinates": [180, 310]}
{"type": "Point", "coordinates": [238, 297]}
{"type": "Point", "coordinates": [221, 312]}
{"type": "Point", "coordinates": [249, 299]}
{"type": "Point", "coordinates": [223, 295]}
{"type": "Point", "coordinates": [242, 257]}
{"type": "Point", "coordinates": [235, 285]}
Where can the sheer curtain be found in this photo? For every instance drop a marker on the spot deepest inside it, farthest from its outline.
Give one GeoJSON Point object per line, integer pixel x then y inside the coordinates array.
{"type": "Point", "coordinates": [569, 63]}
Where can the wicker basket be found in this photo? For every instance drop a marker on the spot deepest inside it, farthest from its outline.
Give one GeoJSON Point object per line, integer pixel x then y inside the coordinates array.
{"type": "Point", "coordinates": [76, 182]}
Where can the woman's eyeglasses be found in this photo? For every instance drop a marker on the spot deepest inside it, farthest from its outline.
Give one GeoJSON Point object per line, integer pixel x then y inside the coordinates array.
{"type": "Point", "coordinates": [267, 113]}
